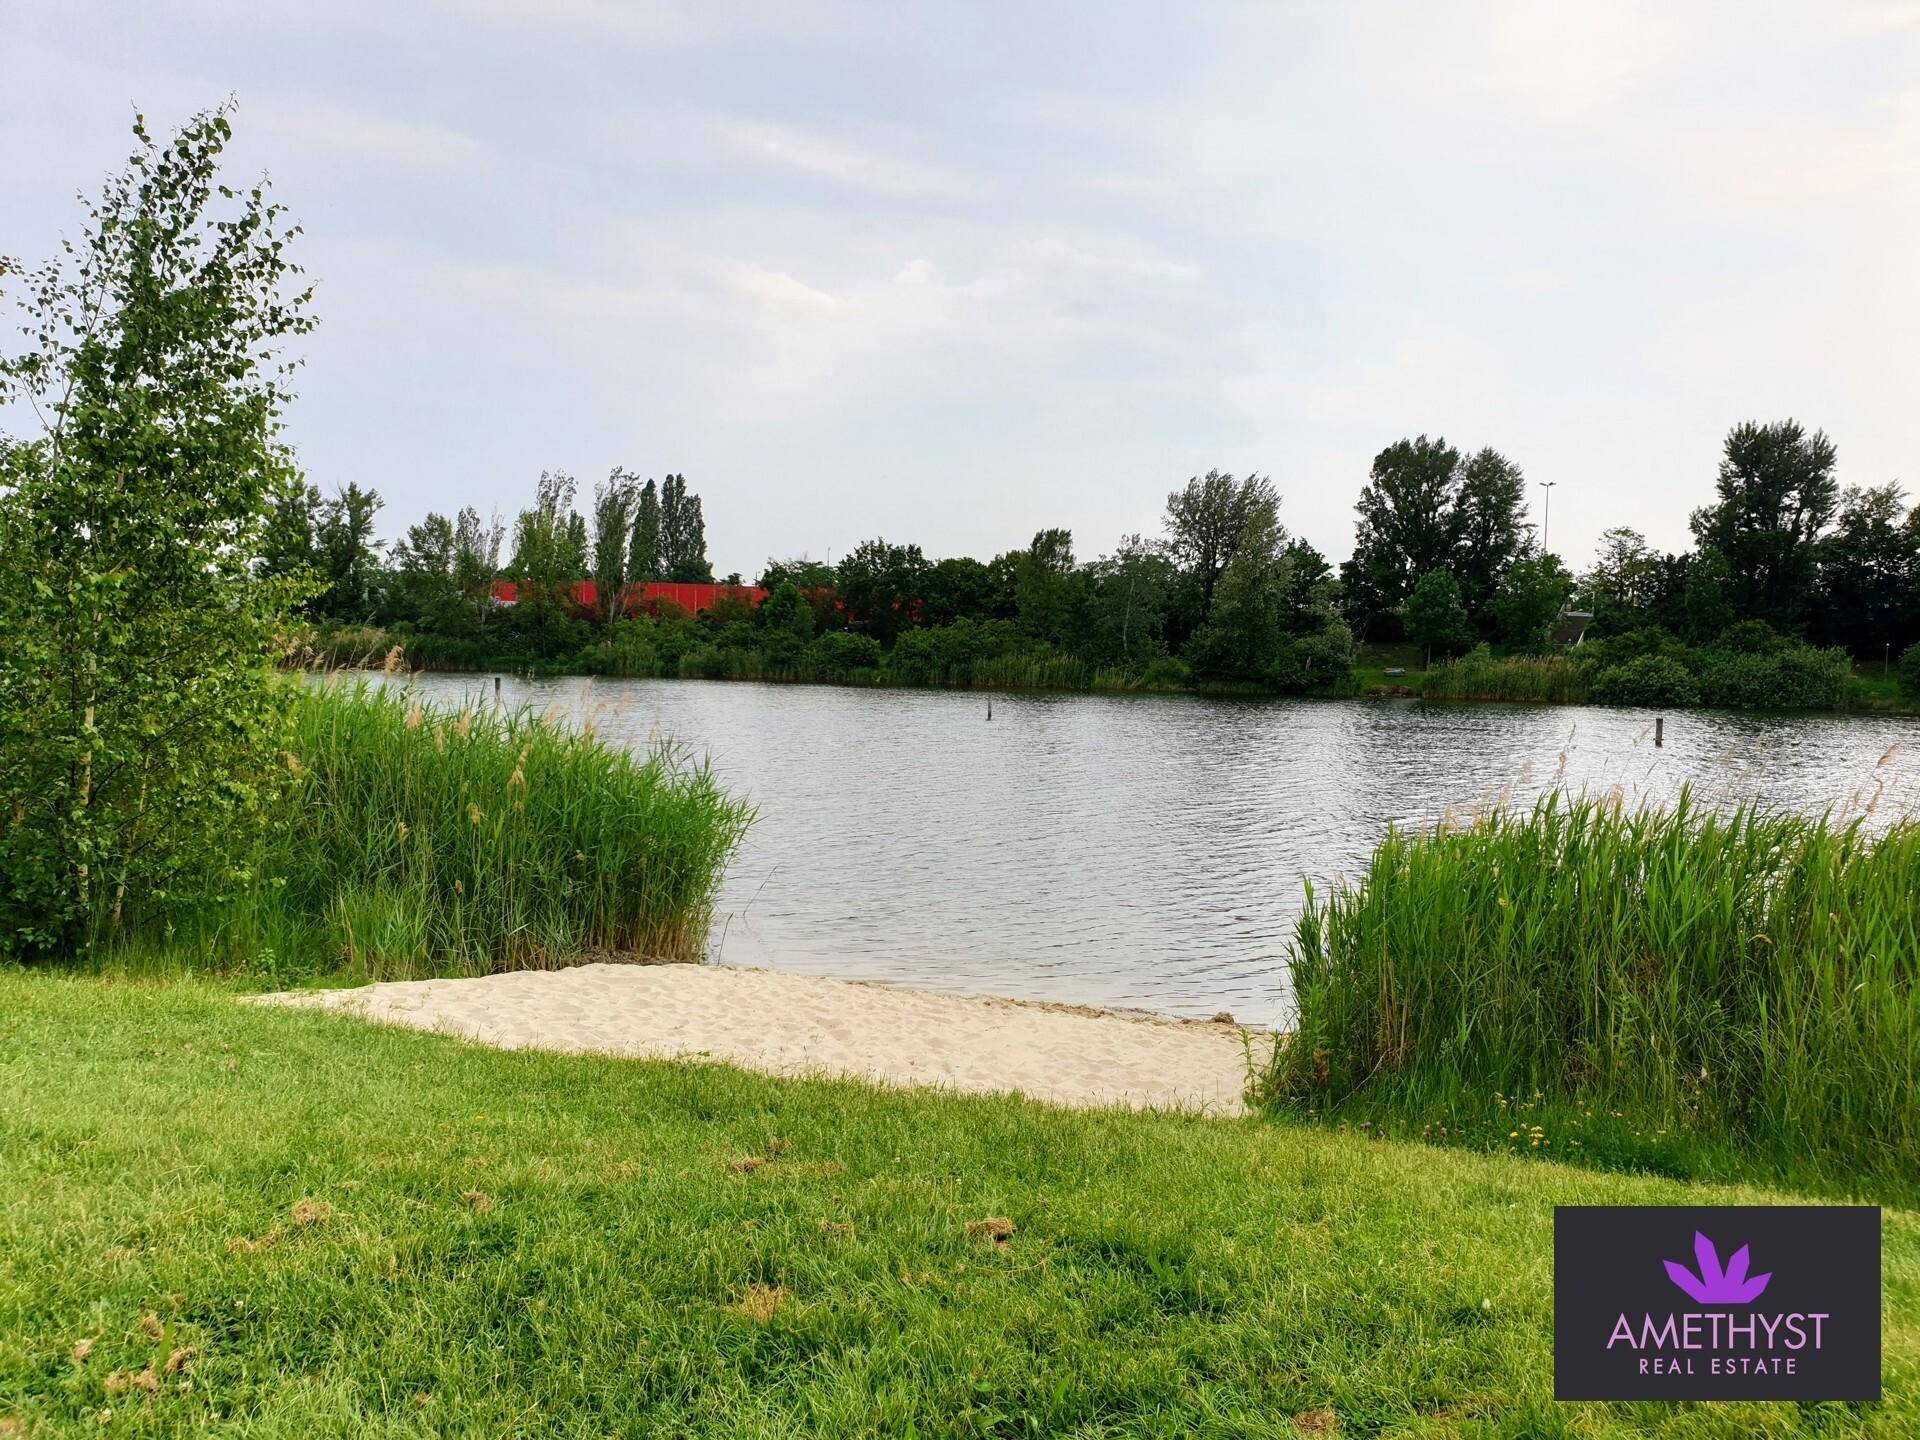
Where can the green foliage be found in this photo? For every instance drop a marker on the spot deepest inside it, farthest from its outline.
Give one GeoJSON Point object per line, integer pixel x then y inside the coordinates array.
{"type": "Point", "coordinates": [1427, 508]}
{"type": "Point", "coordinates": [1776, 494]}
{"type": "Point", "coordinates": [785, 612]}
{"type": "Point", "coordinates": [1241, 639]}
{"type": "Point", "coordinates": [1751, 637]}
{"type": "Point", "coordinates": [615, 503]}
{"type": "Point", "coordinates": [547, 557]}
{"type": "Point", "coordinates": [879, 584]}
{"type": "Point", "coordinates": [289, 544]}
{"type": "Point", "coordinates": [1909, 672]}
{"type": "Point", "coordinates": [1868, 595]}
{"type": "Point", "coordinates": [843, 652]}
{"type": "Point", "coordinates": [1748, 666]}
{"type": "Point", "coordinates": [962, 588]}
{"type": "Point", "coordinates": [1325, 655]}
{"type": "Point", "coordinates": [1434, 616]}
{"type": "Point", "coordinates": [1526, 601]}
{"type": "Point", "coordinates": [138, 720]}
{"type": "Point", "coordinates": [1646, 680]}
{"type": "Point", "coordinates": [643, 551]}
{"type": "Point", "coordinates": [683, 534]}
{"type": "Point", "coordinates": [348, 556]}
{"type": "Point", "coordinates": [954, 654]}
{"type": "Point", "coordinates": [1706, 604]}
{"type": "Point", "coordinates": [1627, 582]}
{"type": "Point", "coordinates": [1214, 522]}
{"type": "Point", "coordinates": [1491, 533]}
{"type": "Point", "coordinates": [1619, 649]}
{"type": "Point", "coordinates": [1166, 672]}
{"type": "Point", "coordinates": [1746, 976]}
{"type": "Point", "coordinates": [1791, 677]}
{"type": "Point", "coordinates": [1049, 592]}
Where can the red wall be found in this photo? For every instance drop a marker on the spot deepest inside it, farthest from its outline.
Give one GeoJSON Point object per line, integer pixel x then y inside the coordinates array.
{"type": "Point", "coordinates": [691, 598]}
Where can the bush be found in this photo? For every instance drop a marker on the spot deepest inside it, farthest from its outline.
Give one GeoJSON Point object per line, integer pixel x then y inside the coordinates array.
{"type": "Point", "coordinates": [916, 658]}
{"type": "Point", "coordinates": [1166, 672]}
{"type": "Point", "coordinates": [1751, 637]}
{"type": "Point", "coordinates": [1909, 672]}
{"type": "Point", "coordinates": [842, 652]}
{"type": "Point", "coordinates": [1326, 656]}
{"type": "Point", "coordinates": [1789, 677]}
{"type": "Point", "coordinates": [1604, 654]}
{"type": "Point", "coordinates": [1649, 680]}
{"type": "Point", "coordinates": [1287, 675]}
{"type": "Point", "coordinates": [1746, 973]}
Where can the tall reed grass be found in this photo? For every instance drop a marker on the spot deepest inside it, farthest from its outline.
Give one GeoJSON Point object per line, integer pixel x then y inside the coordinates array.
{"type": "Point", "coordinates": [415, 842]}
{"type": "Point", "coordinates": [1750, 979]}
{"type": "Point", "coordinates": [1546, 679]}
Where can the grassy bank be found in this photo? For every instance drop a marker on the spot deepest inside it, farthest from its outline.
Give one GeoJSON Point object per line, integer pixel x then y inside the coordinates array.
{"type": "Point", "coordinates": [417, 842]}
{"type": "Point", "coordinates": [342, 1230]}
{"type": "Point", "coordinates": [1681, 990]}
{"type": "Point", "coordinates": [1605, 672]}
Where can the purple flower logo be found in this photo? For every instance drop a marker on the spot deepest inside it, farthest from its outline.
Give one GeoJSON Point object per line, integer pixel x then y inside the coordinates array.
{"type": "Point", "coordinates": [1714, 1286]}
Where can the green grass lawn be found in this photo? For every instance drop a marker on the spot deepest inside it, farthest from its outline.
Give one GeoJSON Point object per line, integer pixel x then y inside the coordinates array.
{"type": "Point", "coordinates": [333, 1229]}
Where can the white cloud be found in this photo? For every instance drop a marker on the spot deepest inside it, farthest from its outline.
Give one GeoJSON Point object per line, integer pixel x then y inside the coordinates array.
{"type": "Point", "coordinates": [843, 164]}
{"type": "Point", "coordinates": [780, 288]}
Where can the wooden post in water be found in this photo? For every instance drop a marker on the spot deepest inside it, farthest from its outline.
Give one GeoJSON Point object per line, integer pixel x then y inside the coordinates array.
{"type": "Point", "coordinates": [1659, 731]}
{"type": "Point", "coordinates": [496, 689]}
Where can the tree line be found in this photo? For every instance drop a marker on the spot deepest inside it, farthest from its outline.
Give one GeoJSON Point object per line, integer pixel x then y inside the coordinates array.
{"type": "Point", "coordinates": [1445, 560]}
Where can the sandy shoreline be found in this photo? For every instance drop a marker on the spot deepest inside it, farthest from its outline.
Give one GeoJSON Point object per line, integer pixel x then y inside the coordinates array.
{"type": "Point", "coordinates": [785, 1024]}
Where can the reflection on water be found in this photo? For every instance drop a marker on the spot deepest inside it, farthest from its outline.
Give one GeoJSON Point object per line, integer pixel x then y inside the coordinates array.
{"type": "Point", "coordinates": [1138, 851]}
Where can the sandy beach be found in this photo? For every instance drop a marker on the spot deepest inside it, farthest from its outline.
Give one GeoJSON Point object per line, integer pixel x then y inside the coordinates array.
{"type": "Point", "coordinates": [800, 1024]}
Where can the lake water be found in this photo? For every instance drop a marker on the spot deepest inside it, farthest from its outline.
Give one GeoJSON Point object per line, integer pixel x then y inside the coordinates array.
{"type": "Point", "coordinates": [1143, 851]}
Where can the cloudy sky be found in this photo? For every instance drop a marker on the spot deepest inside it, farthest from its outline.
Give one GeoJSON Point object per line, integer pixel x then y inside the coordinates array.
{"type": "Point", "coordinates": [950, 273]}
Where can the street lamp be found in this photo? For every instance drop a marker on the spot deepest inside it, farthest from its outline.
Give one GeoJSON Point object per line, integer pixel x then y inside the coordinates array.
{"type": "Point", "coordinates": [1546, 512]}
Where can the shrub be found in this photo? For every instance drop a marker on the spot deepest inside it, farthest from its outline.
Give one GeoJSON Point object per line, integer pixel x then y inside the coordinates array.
{"type": "Point", "coordinates": [1327, 655]}
{"type": "Point", "coordinates": [1649, 680]}
{"type": "Point", "coordinates": [1791, 676]}
{"type": "Point", "coordinates": [915, 658]}
{"type": "Point", "coordinates": [1612, 650]}
{"type": "Point", "coordinates": [1750, 637]}
{"type": "Point", "coordinates": [841, 652]}
{"type": "Point", "coordinates": [783, 652]}
{"type": "Point", "coordinates": [1166, 672]}
{"type": "Point", "coordinates": [1909, 672]}
{"type": "Point", "coordinates": [1287, 675]}
{"type": "Point", "coordinates": [1747, 973]}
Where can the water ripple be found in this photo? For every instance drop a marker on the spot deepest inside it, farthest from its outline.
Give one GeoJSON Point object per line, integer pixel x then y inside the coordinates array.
{"type": "Point", "coordinates": [1143, 851]}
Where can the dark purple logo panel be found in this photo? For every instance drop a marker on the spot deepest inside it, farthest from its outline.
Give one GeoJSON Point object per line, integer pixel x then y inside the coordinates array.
{"type": "Point", "coordinates": [1734, 1302]}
